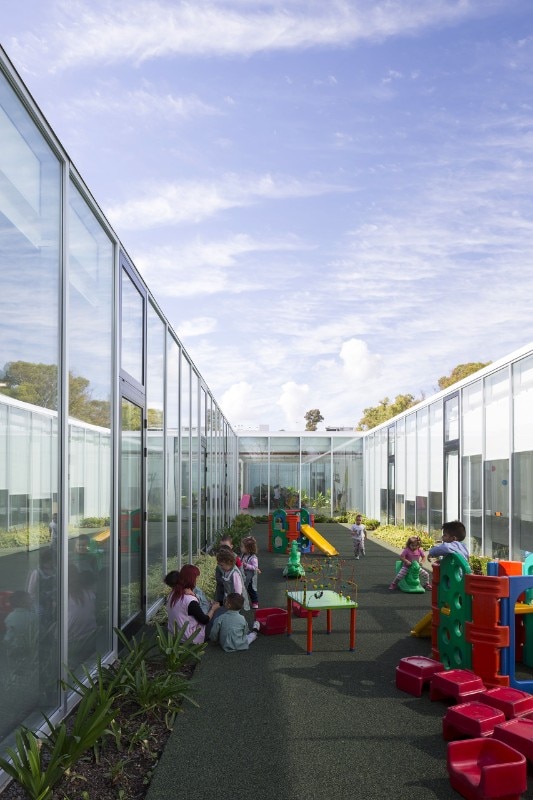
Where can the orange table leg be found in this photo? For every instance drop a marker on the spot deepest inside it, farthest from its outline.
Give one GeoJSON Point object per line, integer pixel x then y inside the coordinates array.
{"type": "Point", "coordinates": [352, 628]}
{"type": "Point", "coordinates": [309, 632]}
{"type": "Point", "coordinates": [289, 615]}
{"type": "Point", "coordinates": [328, 620]}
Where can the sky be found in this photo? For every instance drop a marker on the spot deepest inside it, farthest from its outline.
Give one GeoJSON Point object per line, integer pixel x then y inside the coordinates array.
{"type": "Point", "coordinates": [330, 200]}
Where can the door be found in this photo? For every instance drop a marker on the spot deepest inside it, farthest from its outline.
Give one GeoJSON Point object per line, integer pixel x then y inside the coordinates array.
{"type": "Point", "coordinates": [131, 529]}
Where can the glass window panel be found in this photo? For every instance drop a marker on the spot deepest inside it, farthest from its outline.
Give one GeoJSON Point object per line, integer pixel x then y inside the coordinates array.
{"type": "Point", "coordinates": [186, 504]}
{"type": "Point", "coordinates": [195, 463]}
{"type": "Point", "coordinates": [400, 472]}
{"type": "Point", "coordinates": [132, 307]}
{"type": "Point", "coordinates": [497, 415]}
{"type": "Point", "coordinates": [90, 350]}
{"type": "Point", "coordinates": [348, 474]}
{"type": "Point", "coordinates": [285, 469]}
{"type": "Point", "coordinates": [472, 408]}
{"type": "Point", "coordinates": [522, 522]}
{"type": "Point", "coordinates": [316, 473]}
{"type": "Point", "coordinates": [173, 493]}
{"type": "Point", "coordinates": [451, 419]}
{"type": "Point", "coordinates": [130, 511]}
{"type": "Point", "coordinates": [253, 457]}
{"type": "Point", "coordinates": [30, 528]}
{"type": "Point", "coordinates": [155, 477]}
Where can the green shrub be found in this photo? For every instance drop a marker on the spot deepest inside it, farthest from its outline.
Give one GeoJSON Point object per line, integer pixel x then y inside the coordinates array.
{"type": "Point", "coordinates": [94, 522]}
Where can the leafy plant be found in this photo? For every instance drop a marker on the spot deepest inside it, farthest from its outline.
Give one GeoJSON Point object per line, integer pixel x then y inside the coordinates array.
{"type": "Point", "coordinates": [91, 722]}
{"type": "Point", "coordinates": [178, 650]}
{"type": "Point", "coordinates": [27, 768]}
{"type": "Point", "coordinates": [150, 693]}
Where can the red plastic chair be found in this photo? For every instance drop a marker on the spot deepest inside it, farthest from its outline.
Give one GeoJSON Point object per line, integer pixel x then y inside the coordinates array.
{"type": "Point", "coordinates": [480, 769]}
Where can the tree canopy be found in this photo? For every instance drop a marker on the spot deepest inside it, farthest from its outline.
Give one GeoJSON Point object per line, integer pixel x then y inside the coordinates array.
{"type": "Point", "coordinates": [37, 384]}
{"type": "Point", "coordinates": [375, 415]}
{"type": "Point", "coordinates": [461, 371]}
{"type": "Point", "coordinates": [312, 418]}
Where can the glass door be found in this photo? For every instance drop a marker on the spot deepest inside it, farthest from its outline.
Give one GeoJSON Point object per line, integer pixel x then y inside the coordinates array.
{"type": "Point", "coordinates": [131, 530]}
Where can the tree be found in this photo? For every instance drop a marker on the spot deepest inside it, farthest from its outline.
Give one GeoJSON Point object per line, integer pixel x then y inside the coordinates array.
{"type": "Point", "coordinates": [461, 371]}
{"type": "Point", "coordinates": [375, 415]}
{"type": "Point", "coordinates": [312, 418]}
{"type": "Point", "coordinates": [37, 384]}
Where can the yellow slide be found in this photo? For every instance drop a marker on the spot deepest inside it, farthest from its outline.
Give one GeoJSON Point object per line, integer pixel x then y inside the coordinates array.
{"type": "Point", "coordinates": [422, 629]}
{"type": "Point", "coordinates": [314, 536]}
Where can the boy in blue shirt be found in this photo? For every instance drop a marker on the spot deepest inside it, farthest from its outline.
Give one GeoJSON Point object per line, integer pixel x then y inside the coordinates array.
{"type": "Point", "coordinates": [453, 535]}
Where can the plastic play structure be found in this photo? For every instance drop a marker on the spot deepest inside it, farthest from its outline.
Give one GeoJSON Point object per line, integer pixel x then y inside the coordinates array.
{"type": "Point", "coordinates": [294, 568]}
{"type": "Point", "coordinates": [481, 627]}
{"type": "Point", "coordinates": [411, 582]}
{"type": "Point", "coordinates": [295, 524]}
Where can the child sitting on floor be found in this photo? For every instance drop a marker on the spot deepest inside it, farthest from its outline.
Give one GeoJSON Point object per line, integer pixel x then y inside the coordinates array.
{"type": "Point", "coordinates": [231, 630]}
{"type": "Point", "coordinates": [412, 552]}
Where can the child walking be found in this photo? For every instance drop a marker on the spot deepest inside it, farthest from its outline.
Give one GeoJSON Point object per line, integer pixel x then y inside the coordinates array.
{"type": "Point", "coordinates": [250, 567]}
{"type": "Point", "coordinates": [231, 630]}
{"type": "Point", "coordinates": [358, 537]}
{"type": "Point", "coordinates": [412, 552]}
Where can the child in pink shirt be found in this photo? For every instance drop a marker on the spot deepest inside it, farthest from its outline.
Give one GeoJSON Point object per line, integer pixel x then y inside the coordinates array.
{"type": "Point", "coordinates": [412, 552]}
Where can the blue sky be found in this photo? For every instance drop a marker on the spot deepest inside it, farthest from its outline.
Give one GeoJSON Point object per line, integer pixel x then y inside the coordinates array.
{"type": "Point", "coordinates": [332, 200]}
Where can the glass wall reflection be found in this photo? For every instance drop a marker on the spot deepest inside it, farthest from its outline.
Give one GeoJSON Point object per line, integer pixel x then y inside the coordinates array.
{"type": "Point", "coordinates": [30, 513]}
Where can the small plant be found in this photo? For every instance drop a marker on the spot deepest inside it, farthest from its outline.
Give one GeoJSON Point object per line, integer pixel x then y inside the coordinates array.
{"type": "Point", "coordinates": [151, 694]}
{"type": "Point", "coordinates": [27, 768]}
{"type": "Point", "coordinates": [177, 650]}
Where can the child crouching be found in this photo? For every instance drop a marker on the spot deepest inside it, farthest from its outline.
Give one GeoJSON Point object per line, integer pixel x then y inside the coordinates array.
{"type": "Point", "coordinates": [231, 630]}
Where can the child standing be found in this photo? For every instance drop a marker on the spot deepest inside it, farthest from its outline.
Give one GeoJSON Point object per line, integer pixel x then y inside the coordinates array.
{"type": "Point", "coordinates": [358, 537]}
{"type": "Point", "coordinates": [412, 552]}
{"type": "Point", "coordinates": [231, 630]}
{"type": "Point", "coordinates": [231, 577]}
{"type": "Point", "coordinates": [250, 567]}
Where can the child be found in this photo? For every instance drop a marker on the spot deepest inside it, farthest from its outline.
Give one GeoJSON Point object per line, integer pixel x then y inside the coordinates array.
{"type": "Point", "coordinates": [231, 577]}
{"type": "Point", "coordinates": [231, 630]}
{"type": "Point", "coordinates": [21, 626]}
{"type": "Point", "coordinates": [358, 537]}
{"type": "Point", "coordinates": [412, 552]}
{"type": "Point", "coordinates": [453, 535]}
{"type": "Point", "coordinates": [183, 605]}
{"type": "Point", "coordinates": [250, 567]}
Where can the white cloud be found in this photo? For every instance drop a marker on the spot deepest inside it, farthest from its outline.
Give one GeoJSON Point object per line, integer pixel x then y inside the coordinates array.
{"type": "Point", "coordinates": [293, 401]}
{"type": "Point", "coordinates": [194, 201]}
{"type": "Point", "coordinates": [145, 103]}
{"type": "Point", "coordinates": [144, 30]}
{"type": "Point", "coordinates": [198, 326]}
{"type": "Point", "coordinates": [237, 402]}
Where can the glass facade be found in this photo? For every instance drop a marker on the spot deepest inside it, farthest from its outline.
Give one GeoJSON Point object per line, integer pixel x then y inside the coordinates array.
{"type": "Point", "coordinates": [102, 440]}
{"type": "Point", "coordinates": [466, 453]}
{"type": "Point", "coordinates": [321, 472]}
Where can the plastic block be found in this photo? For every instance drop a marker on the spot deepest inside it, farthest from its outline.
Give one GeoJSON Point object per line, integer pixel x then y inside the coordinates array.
{"type": "Point", "coordinates": [485, 768]}
{"type": "Point", "coordinates": [470, 719]}
{"type": "Point", "coordinates": [298, 611]}
{"type": "Point", "coordinates": [414, 671]}
{"type": "Point", "coordinates": [461, 684]}
{"type": "Point", "coordinates": [517, 733]}
{"type": "Point", "coordinates": [513, 702]}
{"type": "Point", "coordinates": [272, 620]}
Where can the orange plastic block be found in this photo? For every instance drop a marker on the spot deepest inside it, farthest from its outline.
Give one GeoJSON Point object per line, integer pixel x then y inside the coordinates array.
{"type": "Point", "coordinates": [461, 684]}
{"type": "Point", "coordinates": [470, 719]}
{"type": "Point", "coordinates": [485, 768]}
{"type": "Point", "coordinates": [513, 702]}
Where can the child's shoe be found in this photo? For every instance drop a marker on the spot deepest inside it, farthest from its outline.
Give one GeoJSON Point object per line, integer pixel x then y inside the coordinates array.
{"type": "Point", "coordinates": [392, 586]}
{"type": "Point", "coordinates": [428, 587]}
{"type": "Point", "coordinates": [255, 605]}
{"type": "Point", "coordinates": [256, 626]}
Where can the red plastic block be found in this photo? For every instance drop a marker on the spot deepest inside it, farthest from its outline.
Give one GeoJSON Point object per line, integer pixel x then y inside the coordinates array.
{"type": "Point", "coordinates": [480, 769]}
{"type": "Point", "coordinates": [414, 671]}
{"type": "Point", "coordinates": [272, 620]}
{"type": "Point", "coordinates": [513, 702]}
{"type": "Point", "coordinates": [461, 684]}
{"type": "Point", "coordinates": [470, 719]}
{"type": "Point", "coordinates": [517, 733]}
